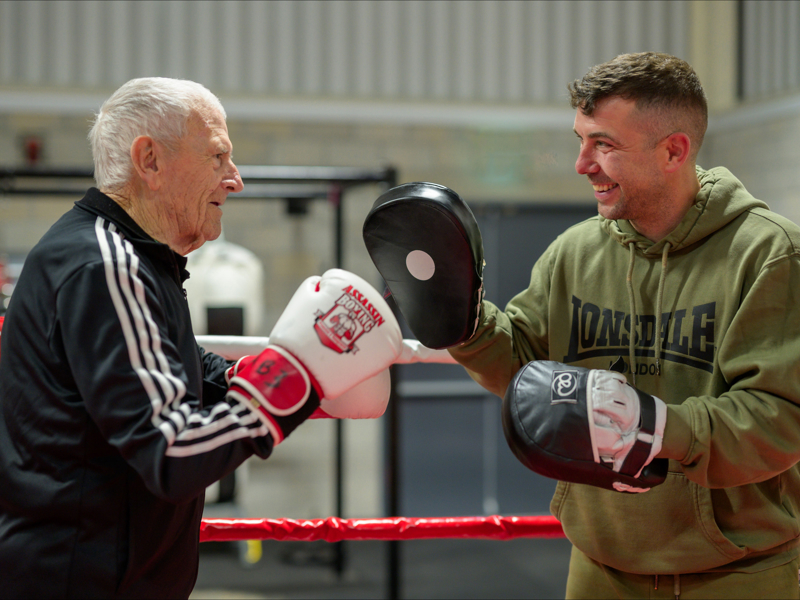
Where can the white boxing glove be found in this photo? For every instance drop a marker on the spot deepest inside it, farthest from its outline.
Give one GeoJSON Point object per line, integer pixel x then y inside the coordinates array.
{"type": "Point", "coordinates": [617, 424]}
{"type": "Point", "coordinates": [336, 332]}
{"type": "Point", "coordinates": [341, 328]}
{"type": "Point", "coordinates": [367, 400]}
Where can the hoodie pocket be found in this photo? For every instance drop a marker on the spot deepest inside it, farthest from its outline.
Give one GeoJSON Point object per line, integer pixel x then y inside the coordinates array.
{"type": "Point", "coordinates": [670, 529]}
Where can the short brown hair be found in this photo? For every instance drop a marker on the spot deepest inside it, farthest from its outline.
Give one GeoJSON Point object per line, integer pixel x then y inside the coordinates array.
{"type": "Point", "coordinates": [656, 82]}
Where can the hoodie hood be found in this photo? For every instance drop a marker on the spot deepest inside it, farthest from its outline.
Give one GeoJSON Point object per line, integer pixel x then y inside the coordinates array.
{"type": "Point", "coordinates": [721, 199]}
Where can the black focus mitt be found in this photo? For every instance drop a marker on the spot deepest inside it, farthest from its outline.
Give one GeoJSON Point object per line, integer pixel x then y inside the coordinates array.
{"type": "Point", "coordinates": [585, 426]}
{"type": "Point", "coordinates": [425, 242]}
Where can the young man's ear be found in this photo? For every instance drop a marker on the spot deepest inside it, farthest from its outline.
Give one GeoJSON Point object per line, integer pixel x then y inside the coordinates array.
{"type": "Point", "coordinates": [678, 146]}
{"type": "Point", "coordinates": [147, 158]}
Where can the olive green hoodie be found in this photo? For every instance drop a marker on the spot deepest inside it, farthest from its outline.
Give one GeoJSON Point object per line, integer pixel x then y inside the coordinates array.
{"type": "Point", "coordinates": [716, 335]}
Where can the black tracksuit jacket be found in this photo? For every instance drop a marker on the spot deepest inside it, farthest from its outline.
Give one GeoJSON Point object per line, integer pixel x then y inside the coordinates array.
{"type": "Point", "coordinates": [112, 420]}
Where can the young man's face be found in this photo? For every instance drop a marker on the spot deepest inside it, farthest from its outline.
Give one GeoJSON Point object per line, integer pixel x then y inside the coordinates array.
{"type": "Point", "coordinates": [618, 155]}
{"type": "Point", "coordinates": [202, 174]}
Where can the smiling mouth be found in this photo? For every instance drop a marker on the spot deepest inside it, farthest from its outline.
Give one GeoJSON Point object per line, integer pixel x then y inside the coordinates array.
{"type": "Point", "coordinates": [604, 187]}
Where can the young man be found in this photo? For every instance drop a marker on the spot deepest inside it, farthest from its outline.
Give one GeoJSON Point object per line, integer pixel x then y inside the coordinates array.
{"type": "Point", "coordinates": [694, 283]}
{"type": "Point", "coordinates": [112, 420]}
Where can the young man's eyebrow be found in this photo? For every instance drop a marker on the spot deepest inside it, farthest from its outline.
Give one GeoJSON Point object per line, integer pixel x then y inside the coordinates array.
{"type": "Point", "coordinates": [596, 134]}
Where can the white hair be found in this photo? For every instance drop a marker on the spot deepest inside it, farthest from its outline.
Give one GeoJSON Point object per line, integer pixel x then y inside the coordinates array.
{"type": "Point", "coordinates": [153, 106]}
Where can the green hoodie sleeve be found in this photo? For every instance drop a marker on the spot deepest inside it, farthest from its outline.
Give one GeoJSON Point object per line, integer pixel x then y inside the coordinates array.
{"type": "Point", "coordinates": [507, 340]}
{"type": "Point", "coordinates": [751, 432]}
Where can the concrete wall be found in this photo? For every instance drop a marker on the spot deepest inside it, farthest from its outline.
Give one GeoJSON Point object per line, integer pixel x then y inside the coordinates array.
{"type": "Point", "coordinates": [758, 144]}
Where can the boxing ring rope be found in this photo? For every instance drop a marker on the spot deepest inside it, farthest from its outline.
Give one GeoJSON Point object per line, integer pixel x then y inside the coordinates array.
{"type": "Point", "coordinates": [388, 529]}
{"type": "Point", "coordinates": [234, 347]}
{"type": "Point", "coordinates": [334, 529]}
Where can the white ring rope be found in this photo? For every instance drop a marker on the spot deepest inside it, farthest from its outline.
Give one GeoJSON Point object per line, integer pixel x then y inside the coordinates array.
{"type": "Point", "coordinates": [233, 347]}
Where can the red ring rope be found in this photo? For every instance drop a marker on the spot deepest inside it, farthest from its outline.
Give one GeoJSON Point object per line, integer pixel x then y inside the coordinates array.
{"type": "Point", "coordinates": [334, 529]}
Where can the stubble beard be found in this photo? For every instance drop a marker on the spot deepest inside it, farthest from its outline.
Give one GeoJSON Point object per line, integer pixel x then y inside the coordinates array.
{"type": "Point", "coordinates": [636, 206]}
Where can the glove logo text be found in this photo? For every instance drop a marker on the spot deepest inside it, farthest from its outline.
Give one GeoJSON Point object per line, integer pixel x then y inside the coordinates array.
{"type": "Point", "coordinates": [265, 369]}
{"type": "Point", "coordinates": [564, 387]}
{"type": "Point", "coordinates": [347, 320]}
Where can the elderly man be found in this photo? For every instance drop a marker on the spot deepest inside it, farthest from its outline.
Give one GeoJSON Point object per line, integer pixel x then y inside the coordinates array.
{"type": "Point", "coordinates": [112, 420]}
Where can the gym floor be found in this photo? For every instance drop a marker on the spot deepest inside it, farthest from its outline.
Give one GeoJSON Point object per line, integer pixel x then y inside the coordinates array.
{"type": "Point", "coordinates": [522, 568]}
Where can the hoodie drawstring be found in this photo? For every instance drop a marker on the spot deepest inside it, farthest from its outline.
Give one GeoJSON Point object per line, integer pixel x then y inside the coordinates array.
{"type": "Point", "coordinates": [631, 343]}
{"type": "Point", "coordinates": [676, 586]}
{"type": "Point", "coordinates": [659, 306]}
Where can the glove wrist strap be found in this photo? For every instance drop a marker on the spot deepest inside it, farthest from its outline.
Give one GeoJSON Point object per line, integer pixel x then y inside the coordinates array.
{"type": "Point", "coordinates": [279, 389]}
{"type": "Point", "coordinates": [640, 452]}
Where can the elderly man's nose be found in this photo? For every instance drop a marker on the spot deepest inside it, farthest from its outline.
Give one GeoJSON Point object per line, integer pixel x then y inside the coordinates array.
{"type": "Point", "coordinates": [233, 182]}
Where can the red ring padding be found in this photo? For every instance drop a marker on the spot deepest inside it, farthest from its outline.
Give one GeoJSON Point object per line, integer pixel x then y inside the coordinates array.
{"type": "Point", "coordinates": [334, 529]}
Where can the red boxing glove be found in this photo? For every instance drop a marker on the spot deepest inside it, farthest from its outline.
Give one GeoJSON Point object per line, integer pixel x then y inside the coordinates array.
{"type": "Point", "coordinates": [279, 388]}
{"type": "Point", "coordinates": [234, 369]}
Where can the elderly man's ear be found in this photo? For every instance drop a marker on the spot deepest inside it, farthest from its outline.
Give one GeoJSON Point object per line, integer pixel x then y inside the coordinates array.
{"type": "Point", "coordinates": [147, 157]}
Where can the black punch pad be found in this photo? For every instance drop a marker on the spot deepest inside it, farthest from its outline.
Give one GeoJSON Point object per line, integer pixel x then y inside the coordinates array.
{"type": "Point", "coordinates": [546, 425]}
{"type": "Point", "coordinates": [425, 242]}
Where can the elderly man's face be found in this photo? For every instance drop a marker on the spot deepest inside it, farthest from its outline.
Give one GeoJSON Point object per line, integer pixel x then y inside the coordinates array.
{"type": "Point", "coordinates": [202, 174]}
